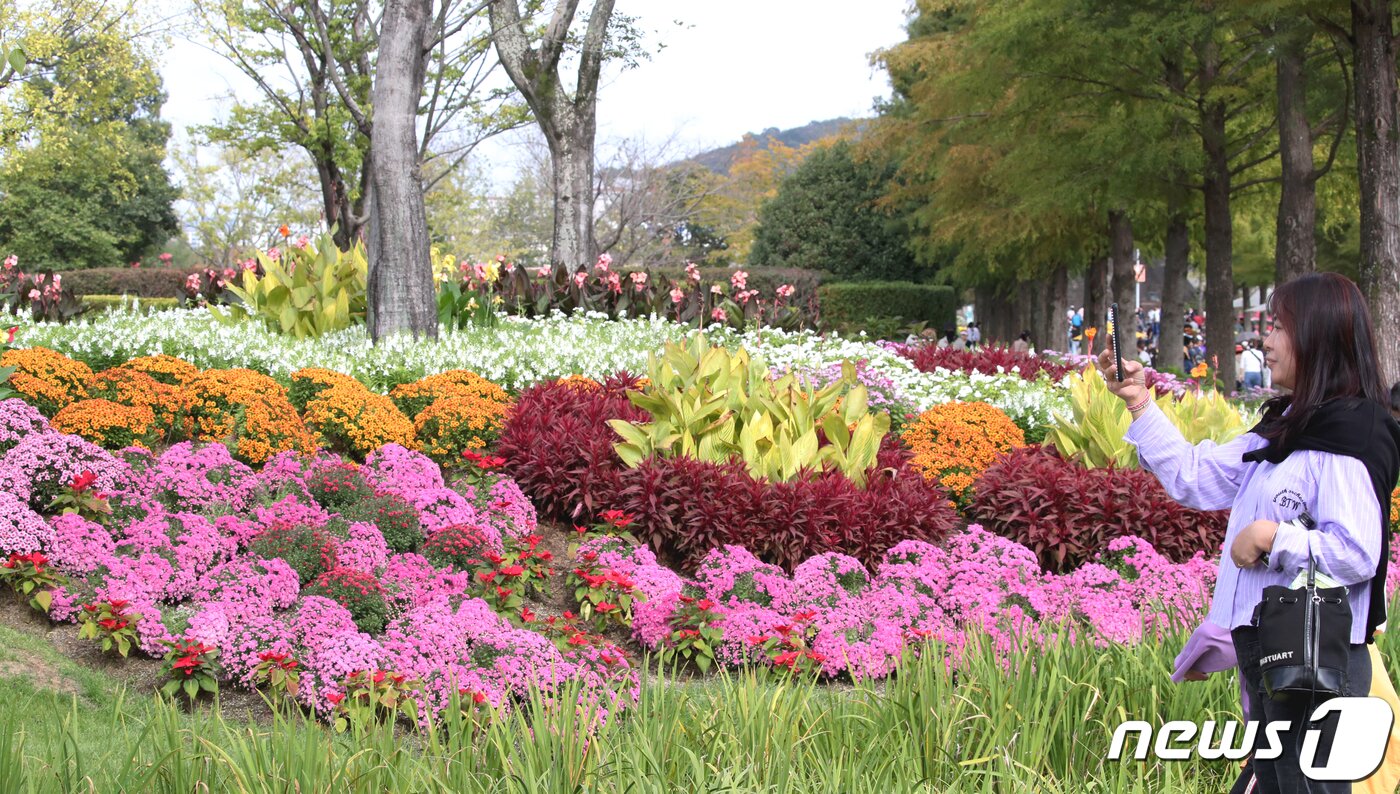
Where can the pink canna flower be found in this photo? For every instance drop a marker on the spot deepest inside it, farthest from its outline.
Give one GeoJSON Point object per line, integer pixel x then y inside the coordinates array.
{"type": "Point", "coordinates": [677, 296]}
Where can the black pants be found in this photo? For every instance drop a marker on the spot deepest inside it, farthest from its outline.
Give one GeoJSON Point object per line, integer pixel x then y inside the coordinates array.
{"type": "Point", "coordinates": [1282, 775]}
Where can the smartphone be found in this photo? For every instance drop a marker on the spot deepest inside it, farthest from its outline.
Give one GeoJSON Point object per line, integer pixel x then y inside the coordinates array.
{"type": "Point", "coordinates": [1114, 339]}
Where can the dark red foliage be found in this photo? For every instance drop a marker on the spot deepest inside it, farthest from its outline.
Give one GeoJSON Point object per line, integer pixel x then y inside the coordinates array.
{"type": "Point", "coordinates": [1065, 512]}
{"type": "Point", "coordinates": [559, 448]}
{"type": "Point", "coordinates": [985, 360]}
{"type": "Point", "coordinates": [686, 507]}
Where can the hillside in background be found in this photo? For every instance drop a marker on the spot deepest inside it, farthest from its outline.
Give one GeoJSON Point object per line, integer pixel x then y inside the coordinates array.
{"type": "Point", "coordinates": [719, 160]}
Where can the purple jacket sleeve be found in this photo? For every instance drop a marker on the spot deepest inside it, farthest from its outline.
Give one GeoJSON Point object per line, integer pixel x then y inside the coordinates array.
{"type": "Point", "coordinates": [1206, 476]}
{"type": "Point", "coordinates": [1347, 539]}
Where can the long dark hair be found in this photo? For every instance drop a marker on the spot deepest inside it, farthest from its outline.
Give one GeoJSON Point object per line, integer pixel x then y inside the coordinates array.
{"type": "Point", "coordinates": [1334, 349]}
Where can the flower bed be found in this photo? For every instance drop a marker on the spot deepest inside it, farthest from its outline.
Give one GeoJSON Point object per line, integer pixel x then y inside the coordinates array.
{"type": "Point", "coordinates": [517, 353]}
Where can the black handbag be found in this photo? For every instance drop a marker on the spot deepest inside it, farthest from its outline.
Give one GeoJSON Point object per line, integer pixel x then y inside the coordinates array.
{"type": "Point", "coordinates": [1304, 638]}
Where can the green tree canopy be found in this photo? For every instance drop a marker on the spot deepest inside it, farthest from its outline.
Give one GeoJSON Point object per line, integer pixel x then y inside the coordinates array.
{"type": "Point", "coordinates": [825, 217]}
{"type": "Point", "coordinates": [82, 177]}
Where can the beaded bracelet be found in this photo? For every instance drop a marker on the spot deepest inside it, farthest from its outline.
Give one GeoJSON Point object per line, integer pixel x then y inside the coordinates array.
{"type": "Point", "coordinates": [1132, 409]}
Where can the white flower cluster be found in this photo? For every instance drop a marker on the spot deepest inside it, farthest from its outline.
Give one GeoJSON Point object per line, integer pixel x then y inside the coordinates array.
{"type": "Point", "coordinates": [515, 353]}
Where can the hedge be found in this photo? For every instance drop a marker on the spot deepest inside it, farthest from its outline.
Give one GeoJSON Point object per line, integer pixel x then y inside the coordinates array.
{"type": "Point", "coordinates": [153, 282]}
{"type": "Point", "coordinates": [853, 302]}
{"type": "Point", "coordinates": [108, 302]}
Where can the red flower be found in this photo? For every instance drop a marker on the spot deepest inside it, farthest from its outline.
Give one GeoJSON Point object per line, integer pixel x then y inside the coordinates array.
{"type": "Point", "coordinates": [118, 603]}
{"type": "Point", "coordinates": [788, 659]}
{"type": "Point", "coordinates": [334, 698]}
{"type": "Point", "coordinates": [580, 530]}
{"type": "Point", "coordinates": [478, 697]}
{"type": "Point", "coordinates": [503, 592]}
{"type": "Point", "coordinates": [704, 605]}
{"type": "Point", "coordinates": [526, 615]}
{"type": "Point", "coordinates": [184, 662]}
{"type": "Point", "coordinates": [579, 638]}
{"type": "Point", "coordinates": [83, 481]}
{"type": "Point", "coordinates": [605, 607]}
{"type": "Point", "coordinates": [617, 518]}
{"type": "Point", "coordinates": [284, 231]}
{"type": "Point", "coordinates": [14, 329]}
{"type": "Point", "coordinates": [513, 570]}
{"type": "Point", "coordinates": [803, 617]}
{"type": "Point", "coordinates": [379, 676]}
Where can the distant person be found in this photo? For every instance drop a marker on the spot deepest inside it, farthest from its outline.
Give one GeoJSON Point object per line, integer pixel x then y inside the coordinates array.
{"type": "Point", "coordinates": [951, 339]}
{"type": "Point", "coordinates": [974, 335]}
{"type": "Point", "coordinates": [1076, 331]}
{"type": "Point", "coordinates": [1252, 364]}
{"type": "Point", "coordinates": [1144, 356]}
{"type": "Point", "coordinates": [1022, 343]}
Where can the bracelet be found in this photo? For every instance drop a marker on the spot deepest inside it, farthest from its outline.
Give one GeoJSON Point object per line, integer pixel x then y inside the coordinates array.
{"type": "Point", "coordinates": [1132, 409]}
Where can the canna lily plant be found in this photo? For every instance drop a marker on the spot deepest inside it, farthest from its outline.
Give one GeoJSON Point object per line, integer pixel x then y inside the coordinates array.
{"type": "Point", "coordinates": [711, 404]}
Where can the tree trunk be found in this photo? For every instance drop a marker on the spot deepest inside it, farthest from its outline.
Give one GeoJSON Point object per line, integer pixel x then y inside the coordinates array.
{"type": "Point", "coordinates": [1095, 306]}
{"type": "Point", "coordinates": [1296, 249]}
{"type": "Point", "coordinates": [400, 266]}
{"type": "Point", "coordinates": [569, 122]}
{"type": "Point", "coordinates": [1055, 330]}
{"type": "Point", "coordinates": [1178, 262]}
{"type": "Point", "coordinates": [1120, 233]}
{"type": "Point", "coordinates": [571, 160]}
{"type": "Point", "coordinates": [1378, 172]}
{"type": "Point", "coordinates": [1220, 280]}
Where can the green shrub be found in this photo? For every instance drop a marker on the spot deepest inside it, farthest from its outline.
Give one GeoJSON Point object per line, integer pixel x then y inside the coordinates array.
{"type": "Point", "coordinates": [147, 305]}
{"type": "Point", "coordinates": [853, 302]}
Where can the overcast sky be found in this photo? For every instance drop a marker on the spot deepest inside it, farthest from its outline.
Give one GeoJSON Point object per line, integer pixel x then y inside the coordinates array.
{"type": "Point", "coordinates": [730, 67]}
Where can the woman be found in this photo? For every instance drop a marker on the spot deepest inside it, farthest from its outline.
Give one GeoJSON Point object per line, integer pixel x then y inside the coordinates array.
{"type": "Point", "coordinates": [1328, 450]}
{"type": "Point", "coordinates": [1022, 343]}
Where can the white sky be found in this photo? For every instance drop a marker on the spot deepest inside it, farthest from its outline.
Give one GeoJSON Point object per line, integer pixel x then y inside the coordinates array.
{"type": "Point", "coordinates": [732, 66]}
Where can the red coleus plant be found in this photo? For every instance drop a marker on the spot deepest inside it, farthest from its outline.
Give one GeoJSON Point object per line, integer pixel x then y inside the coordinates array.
{"type": "Point", "coordinates": [77, 497]}
{"type": "Point", "coordinates": [29, 575]}
{"type": "Point", "coordinates": [1066, 513]}
{"type": "Point", "coordinates": [190, 667]}
{"type": "Point", "coordinates": [109, 622]}
{"type": "Point", "coordinates": [279, 672]}
{"type": "Point", "coordinates": [694, 633]}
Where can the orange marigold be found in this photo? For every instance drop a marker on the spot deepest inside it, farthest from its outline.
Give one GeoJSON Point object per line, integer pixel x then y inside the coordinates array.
{"type": "Point", "coordinates": [246, 410]}
{"type": "Point", "coordinates": [132, 387]}
{"type": "Point", "coordinates": [1395, 510]}
{"type": "Point", "coordinates": [453, 425]}
{"type": "Point", "coordinates": [580, 382]}
{"type": "Point", "coordinates": [356, 421]}
{"type": "Point", "coordinates": [106, 423]}
{"type": "Point", "coordinates": [955, 442]}
{"type": "Point", "coordinates": [46, 378]}
{"type": "Point", "coordinates": [307, 384]}
{"type": "Point", "coordinates": [165, 369]}
{"type": "Point", "coordinates": [412, 398]}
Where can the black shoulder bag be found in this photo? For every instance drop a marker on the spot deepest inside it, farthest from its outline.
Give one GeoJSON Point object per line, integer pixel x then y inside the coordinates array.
{"type": "Point", "coordinates": [1304, 636]}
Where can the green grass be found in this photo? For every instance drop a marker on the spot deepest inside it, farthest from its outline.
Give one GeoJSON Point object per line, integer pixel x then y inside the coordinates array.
{"type": "Point", "coordinates": [1045, 726]}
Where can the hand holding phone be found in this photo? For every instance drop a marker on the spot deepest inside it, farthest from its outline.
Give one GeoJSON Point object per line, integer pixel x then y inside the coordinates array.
{"type": "Point", "coordinates": [1114, 334]}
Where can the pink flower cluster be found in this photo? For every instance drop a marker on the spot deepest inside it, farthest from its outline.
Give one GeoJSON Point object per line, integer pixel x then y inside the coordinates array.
{"type": "Point", "coordinates": [19, 419]}
{"type": "Point", "coordinates": [863, 622]}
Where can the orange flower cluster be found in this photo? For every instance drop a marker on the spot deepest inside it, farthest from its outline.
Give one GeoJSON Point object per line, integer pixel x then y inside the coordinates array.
{"type": "Point", "coordinates": [136, 389]}
{"type": "Point", "coordinates": [1395, 510]}
{"type": "Point", "coordinates": [580, 383]}
{"type": "Point", "coordinates": [47, 379]}
{"type": "Point", "coordinates": [412, 398]}
{"type": "Point", "coordinates": [355, 420]}
{"type": "Point", "coordinates": [453, 425]}
{"type": "Point", "coordinates": [106, 423]}
{"type": "Point", "coordinates": [248, 410]}
{"type": "Point", "coordinates": [955, 442]}
{"type": "Point", "coordinates": [165, 369]}
{"type": "Point", "coordinates": [307, 384]}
